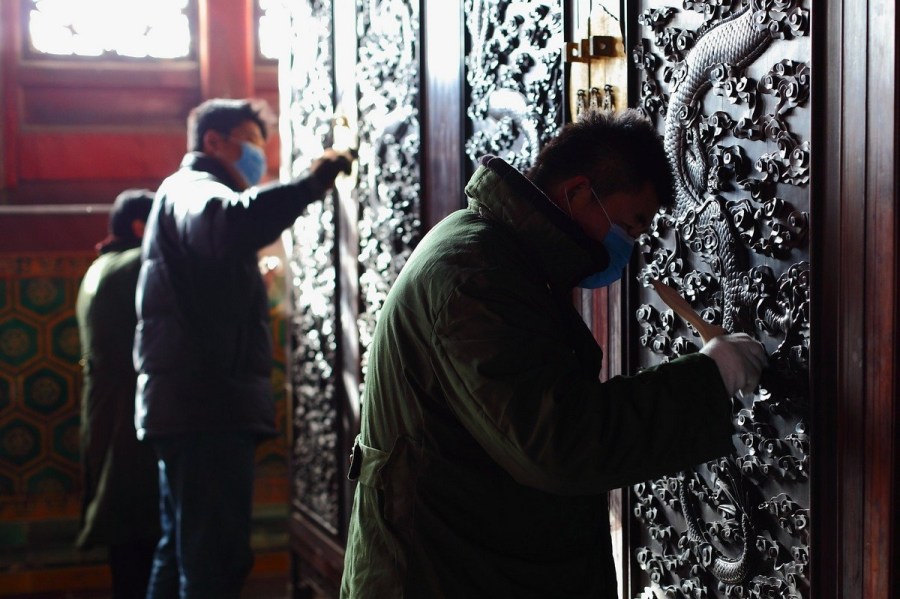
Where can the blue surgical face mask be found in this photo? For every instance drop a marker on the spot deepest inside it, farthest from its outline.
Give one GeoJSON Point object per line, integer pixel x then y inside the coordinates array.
{"type": "Point", "coordinates": [619, 246]}
{"type": "Point", "coordinates": [252, 163]}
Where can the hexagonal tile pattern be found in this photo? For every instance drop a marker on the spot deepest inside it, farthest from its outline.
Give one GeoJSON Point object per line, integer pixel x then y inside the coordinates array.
{"type": "Point", "coordinates": [50, 480]}
{"type": "Point", "coordinates": [64, 342]}
{"type": "Point", "coordinates": [42, 295]}
{"type": "Point", "coordinates": [40, 381]}
{"type": "Point", "coordinates": [65, 439]}
{"type": "Point", "coordinates": [18, 342]}
{"type": "Point", "coordinates": [40, 377]}
{"type": "Point", "coordinates": [46, 391]}
{"type": "Point", "coordinates": [20, 442]}
{"type": "Point", "coordinates": [5, 393]}
{"type": "Point", "coordinates": [4, 295]}
{"type": "Point", "coordinates": [7, 486]}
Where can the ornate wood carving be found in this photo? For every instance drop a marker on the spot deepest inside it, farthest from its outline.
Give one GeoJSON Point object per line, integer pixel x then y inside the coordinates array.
{"type": "Point", "coordinates": [389, 170]}
{"type": "Point", "coordinates": [514, 102]}
{"type": "Point", "coordinates": [316, 472]}
{"type": "Point", "coordinates": [388, 222]}
{"type": "Point", "coordinates": [728, 83]}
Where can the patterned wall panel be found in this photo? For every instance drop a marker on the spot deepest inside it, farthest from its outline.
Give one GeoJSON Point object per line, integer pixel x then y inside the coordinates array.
{"type": "Point", "coordinates": [311, 274]}
{"type": "Point", "coordinates": [728, 84]}
{"type": "Point", "coordinates": [513, 71]}
{"type": "Point", "coordinates": [40, 384]}
{"type": "Point", "coordinates": [40, 391]}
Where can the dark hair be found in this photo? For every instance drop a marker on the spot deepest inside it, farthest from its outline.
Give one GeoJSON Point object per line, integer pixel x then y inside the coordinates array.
{"type": "Point", "coordinates": [618, 152]}
{"type": "Point", "coordinates": [223, 115]}
{"type": "Point", "coordinates": [130, 205]}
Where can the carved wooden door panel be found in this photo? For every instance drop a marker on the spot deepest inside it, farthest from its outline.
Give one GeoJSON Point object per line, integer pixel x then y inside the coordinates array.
{"type": "Point", "coordinates": [352, 79]}
{"type": "Point", "coordinates": [357, 70]}
{"type": "Point", "coordinates": [728, 83]}
{"type": "Point", "coordinates": [317, 409]}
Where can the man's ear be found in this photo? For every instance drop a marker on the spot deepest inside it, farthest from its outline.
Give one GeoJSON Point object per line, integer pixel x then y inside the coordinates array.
{"type": "Point", "coordinates": [571, 187]}
{"type": "Point", "coordinates": [137, 227]}
{"type": "Point", "coordinates": [577, 183]}
{"type": "Point", "coordinates": [564, 192]}
{"type": "Point", "coordinates": [212, 142]}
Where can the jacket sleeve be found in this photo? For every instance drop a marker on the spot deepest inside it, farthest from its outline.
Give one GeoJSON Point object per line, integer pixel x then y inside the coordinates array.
{"type": "Point", "coordinates": [215, 221]}
{"type": "Point", "coordinates": [511, 375]}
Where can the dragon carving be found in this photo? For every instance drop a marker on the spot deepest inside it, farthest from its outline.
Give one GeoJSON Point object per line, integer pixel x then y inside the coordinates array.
{"type": "Point", "coordinates": [734, 41]}
{"type": "Point", "coordinates": [705, 223]}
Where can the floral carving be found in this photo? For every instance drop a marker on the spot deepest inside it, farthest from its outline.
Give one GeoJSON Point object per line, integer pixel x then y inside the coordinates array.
{"type": "Point", "coordinates": [515, 87]}
{"type": "Point", "coordinates": [734, 245]}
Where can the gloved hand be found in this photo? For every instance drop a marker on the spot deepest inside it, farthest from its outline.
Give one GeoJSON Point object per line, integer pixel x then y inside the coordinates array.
{"type": "Point", "coordinates": [740, 359]}
{"type": "Point", "coordinates": [326, 168]}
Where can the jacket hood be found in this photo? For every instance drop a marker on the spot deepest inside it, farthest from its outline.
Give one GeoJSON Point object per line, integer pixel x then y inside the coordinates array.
{"type": "Point", "coordinates": [198, 161]}
{"type": "Point", "coordinates": [559, 248]}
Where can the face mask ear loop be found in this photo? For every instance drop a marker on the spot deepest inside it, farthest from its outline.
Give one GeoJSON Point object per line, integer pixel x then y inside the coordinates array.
{"type": "Point", "coordinates": [605, 213]}
{"type": "Point", "coordinates": [568, 203]}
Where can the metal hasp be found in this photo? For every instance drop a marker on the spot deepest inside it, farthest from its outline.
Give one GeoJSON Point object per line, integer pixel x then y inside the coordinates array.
{"type": "Point", "coordinates": [588, 49]}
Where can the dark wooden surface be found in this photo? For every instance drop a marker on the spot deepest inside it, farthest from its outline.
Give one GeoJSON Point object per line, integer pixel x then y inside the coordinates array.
{"type": "Point", "coordinates": [443, 110]}
{"type": "Point", "coordinates": [854, 361]}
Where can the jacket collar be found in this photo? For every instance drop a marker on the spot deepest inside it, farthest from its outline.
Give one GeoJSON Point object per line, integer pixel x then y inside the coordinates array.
{"type": "Point", "coordinates": [116, 244]}
{"type": "Point", "coordinates": [557, 245]}
{"type": "Point", "coordinates": [198, 161]}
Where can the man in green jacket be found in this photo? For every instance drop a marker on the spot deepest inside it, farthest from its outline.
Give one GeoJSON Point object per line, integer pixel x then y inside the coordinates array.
{"type": "Point", "coordinates": [488, 442]}
{"type": "Point", "coordinates": [120, 501]}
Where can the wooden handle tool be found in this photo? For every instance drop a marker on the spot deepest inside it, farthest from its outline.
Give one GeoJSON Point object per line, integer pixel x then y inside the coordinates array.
{"type": "Point", "coordinates": [680, 306]}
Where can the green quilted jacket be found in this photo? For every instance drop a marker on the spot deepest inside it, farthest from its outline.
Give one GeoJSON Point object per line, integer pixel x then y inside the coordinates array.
{"type": "Point", "coordinates": [487, 442]}
{"type": "Point", "coordinates": [120, 503]}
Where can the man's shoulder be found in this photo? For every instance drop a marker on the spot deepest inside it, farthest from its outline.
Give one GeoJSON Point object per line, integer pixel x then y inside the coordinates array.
{"type": "Point", "coordinates": [121, 267]}
{"type": "Point", "coordinates": [125, 259]}
{"type": "Point", "coordinates": [462, 250]}
{"type": "Point", "coordinates": [187, 191]}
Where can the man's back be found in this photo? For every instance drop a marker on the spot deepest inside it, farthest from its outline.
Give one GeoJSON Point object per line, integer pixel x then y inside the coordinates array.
{"type": "Point", "coordinates": [120, 475]}
{"type": "Point", "coordinates": [203, 343]}
{"type": "Point", "coordinates": [488, 441]}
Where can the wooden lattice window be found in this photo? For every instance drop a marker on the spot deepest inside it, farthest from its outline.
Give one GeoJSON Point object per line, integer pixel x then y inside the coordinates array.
{"type": "Point", "coordinates": [145, 29]}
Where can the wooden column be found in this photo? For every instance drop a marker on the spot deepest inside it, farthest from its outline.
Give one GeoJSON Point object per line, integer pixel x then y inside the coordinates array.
{"type": "Point", "coordinates": [9, 125]}
{"type": "Point", "coordinates": [227, 48]}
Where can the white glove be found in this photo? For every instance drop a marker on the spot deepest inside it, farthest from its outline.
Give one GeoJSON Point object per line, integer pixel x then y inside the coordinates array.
{"type": "Point", "coordinates": [740, 359]}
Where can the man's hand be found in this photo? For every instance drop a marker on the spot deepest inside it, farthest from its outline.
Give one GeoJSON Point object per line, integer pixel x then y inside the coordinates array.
{"type": "Point", "coordinates": [326, 168]}
{"type": "Point", "coordinates": [740, 359]}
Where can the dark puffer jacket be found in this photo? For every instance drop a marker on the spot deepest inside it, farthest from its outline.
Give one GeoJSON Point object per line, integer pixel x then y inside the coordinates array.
{"type": "Point", "coordinates": [203, 347]}
{"type": "Point", "coordinates": [488, 443]}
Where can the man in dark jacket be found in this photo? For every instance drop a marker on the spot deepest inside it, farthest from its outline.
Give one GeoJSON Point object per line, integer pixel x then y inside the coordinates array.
{"type": "Point", "coordinates": [488, 442]}
{"type": "Point", "coordinates": [120, 502]}
{"type": "Point", "coordinates": [203, 346]}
